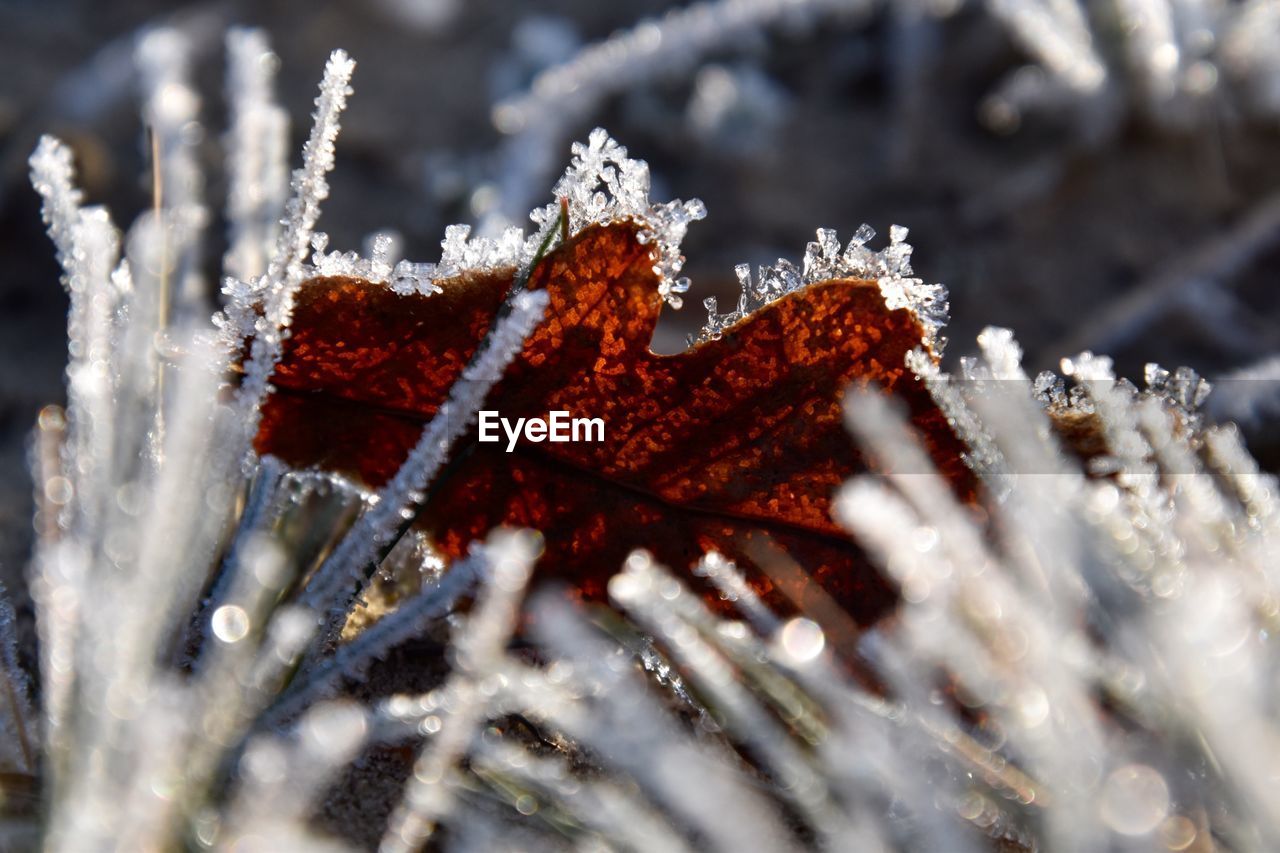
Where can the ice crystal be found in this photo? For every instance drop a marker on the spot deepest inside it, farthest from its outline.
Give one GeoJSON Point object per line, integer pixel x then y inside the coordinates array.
{"type": "Point", "coordinates": [459, 252]}
{"type": "Point", "coordinates": [603, 184]}
{"type": "Point", "coordinates": [413, 277]}
{"type": "Point", "coordinates": [824, 260]}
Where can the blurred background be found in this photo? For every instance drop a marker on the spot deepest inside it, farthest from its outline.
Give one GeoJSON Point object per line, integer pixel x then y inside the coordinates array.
{"type": "Point", "coordinates": [1102, 178]}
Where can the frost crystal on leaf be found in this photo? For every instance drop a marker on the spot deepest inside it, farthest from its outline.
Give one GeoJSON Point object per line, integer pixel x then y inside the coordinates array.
{"type": "Point", "coordinates": [460, 252]}
{"type": "Point", "coordinates": [890, 268]}
{"type": "Point", "coordinates": [410, 277]}
{"type": "Point", "coordinates": [602, 184]}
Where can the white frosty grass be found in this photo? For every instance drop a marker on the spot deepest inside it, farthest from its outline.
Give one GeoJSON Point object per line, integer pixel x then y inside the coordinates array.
{"type": "Point", "coordinates": [171, 111]}
{"type": "Point", "coordinates": [257, 155]}
{"type": "Point", "coordinates": [1173, 63]}
{"type": "Point", "coordinates": [275, 290]}
{"type": "Point", "coordinates": [1088, 663]}
{"type": "Point", "coordinates": [537, 119]}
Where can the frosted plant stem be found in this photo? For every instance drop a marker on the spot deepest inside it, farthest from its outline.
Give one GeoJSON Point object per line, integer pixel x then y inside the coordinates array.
{"type": "Point", "coordinates": [915, 37]}
{"type": "Point", "coordinates": [127, 617]}
{"type": "Point", "coordinates": [1055, 32]}
{"type": "Point", "coordinates": [479, 649]}
{"type": "Point", "coordinates": [626, 727]}
{"type": "Point", "coordinates": [605, 807]}
{"type": "Point", "coordinates": [561, 96]}
{"type": "Point", "coordinates": [981, 454]}
{"type": "Point", "coordinates": [967, 607]}
{"type": "Point", "coordinates": [351, 659]}
{"type": "Point", "coordinates": [142, 820]}
{"type": "Point", "coordinates": [261, 511]}
{"type": "Point", "coordinates": [257, 162]}
{"type": "Point", "coordinates": [230, 678]}
{"type": "Point", "coordinates": [171, 112]}
{"type": "Point", "coordinates": [908, 468]}
{"type": "Point", "coordinates": [669, 615]}
{"type": "Point", "coordinates": [285, 271]}
{"type": "Point", "coordinates": [17, 719]}
{"type": "Point", "coordinates": [266, 815]}
{"type": "Point", "coordinates": [54, 592]}
{"type": "Point", "coordinates": [88, 247]}
{"type": "Point", "coordinates": [185, 527]}
{"type": "Point", "coordinates": [378, 526]}
{"type": "Point", "coordinates": [1249, 396]}
{"type": "Point", "coordinates": [1256, 490]}
{"type": "Point", "coordinates": [52, 175]}
{"type": "Point", "coordinates": [734, 587]}
{"type": "Point", "coordinates": [66, 574]}
{"type": "Point", "coordinates": [1216, 263]}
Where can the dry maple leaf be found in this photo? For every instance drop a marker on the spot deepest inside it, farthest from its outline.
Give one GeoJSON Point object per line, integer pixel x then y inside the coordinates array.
{"type": "Point", "coordinates": [705, 449]}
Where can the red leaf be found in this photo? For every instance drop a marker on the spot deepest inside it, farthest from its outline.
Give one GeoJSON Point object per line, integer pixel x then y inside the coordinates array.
{"type": "Point", "coordinates": [703, 449]}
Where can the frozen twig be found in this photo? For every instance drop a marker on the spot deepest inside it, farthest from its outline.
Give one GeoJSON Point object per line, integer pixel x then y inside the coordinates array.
{"type": "Point", "coordinates": [350, 660]}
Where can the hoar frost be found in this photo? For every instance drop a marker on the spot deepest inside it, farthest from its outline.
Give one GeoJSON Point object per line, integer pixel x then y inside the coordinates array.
{"type": "Point", "coordinates": [824, 260]}
{"type": "Point", "coordinates": [1151, 588]}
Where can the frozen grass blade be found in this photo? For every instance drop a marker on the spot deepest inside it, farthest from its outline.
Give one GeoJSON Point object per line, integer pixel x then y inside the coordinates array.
{"type": "Point", "coordinates": [285, 271]}
{"type": "Point", "coordinates": [375, 530]}
{"type": "Point", "coordinates": [351, 659]}
{"type": "Point", "coordinates": [257, 161]}
{"type": "Point", "coordinates": [17, 717]}
{"type": "Point", "coordinates": [427, 798]}
{"type": "Point", "coordinates": [171, 111]}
